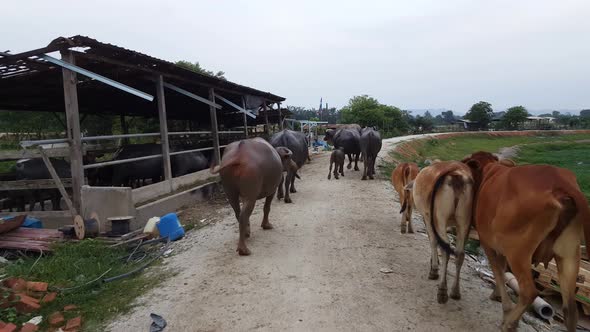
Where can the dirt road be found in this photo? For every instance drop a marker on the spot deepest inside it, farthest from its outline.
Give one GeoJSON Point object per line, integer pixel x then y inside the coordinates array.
{"type": "Point", "coordinates": [317, 270]}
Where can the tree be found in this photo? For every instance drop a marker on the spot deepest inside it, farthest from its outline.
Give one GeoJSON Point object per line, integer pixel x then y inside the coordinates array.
{"type": "Point", "coordinates": [585, 113]}
{"type": "Point", "coordinates": [367, 111]}
{"type": "Point", "coordinates": [196, 67]}
{"type": "Point", "coordinates": [514, 116]}
{"type": "Point", "coordinates": [481, 113]}
{"type": "Point", "coordinates": [448, 116]}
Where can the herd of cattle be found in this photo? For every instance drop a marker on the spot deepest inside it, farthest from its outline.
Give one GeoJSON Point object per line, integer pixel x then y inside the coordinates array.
{"type": "Point", "coordinates": [523, 214]}
{"type": "Point", "coordinates": [253, 169]}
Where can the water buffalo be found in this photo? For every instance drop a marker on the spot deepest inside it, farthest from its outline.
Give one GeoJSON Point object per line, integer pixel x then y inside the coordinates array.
{"type": "Point", "coordinates": [337, 157]}
{"type": "Point", "coordinates": [35, 169]}
{"type": "Point", "coordinates": [349, 140]}
{"type": "Point", "coordinates": [370, 147]}
{"type": "Point", "coordinates": [186, 163]}
{"type": "Point", "coordinates": [250, 170]}
{"type": "Point", "coordinates": [127, 173]}
{"type": "Point", "coordinates": [297, 143]}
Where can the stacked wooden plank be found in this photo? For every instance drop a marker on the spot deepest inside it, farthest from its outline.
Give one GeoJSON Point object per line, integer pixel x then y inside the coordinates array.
{"type": "Point", "coordinates": [31, 239]}
{"type": "Point", "coordinates": [549, 279]}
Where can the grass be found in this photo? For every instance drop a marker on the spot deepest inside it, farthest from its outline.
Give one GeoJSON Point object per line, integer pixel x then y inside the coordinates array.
{"type": "Point", "coordinates": [550, 148]}
{"type": "Point", "coordinates": [6, 166]}
{"type": "Point", "coordinates": [570, 155]}
{"type": "Point", "coordinates": [74, 264]}
{"type": "Point", "coordinates": [456, 148]}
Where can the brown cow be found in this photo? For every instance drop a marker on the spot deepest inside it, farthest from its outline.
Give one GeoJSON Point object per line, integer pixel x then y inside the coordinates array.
{"type": "Point", "coordinates": [401, 176]}
{"type": "Point", "coordinates": [528, 215]}
{"type": "Point", "coordinates": [443, 194]}
{"type": "Point", "coordinates": [250, 170]}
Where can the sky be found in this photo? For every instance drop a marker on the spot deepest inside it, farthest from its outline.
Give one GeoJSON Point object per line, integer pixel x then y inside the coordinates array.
{"type": "Point", "coordinates": [421, 54]}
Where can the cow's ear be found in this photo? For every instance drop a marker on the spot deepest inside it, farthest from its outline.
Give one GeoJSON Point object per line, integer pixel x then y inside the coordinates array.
{"type": "Point", "coordinates": [473, 164]}
{"type": "Point", "coordinates": [507, 162]}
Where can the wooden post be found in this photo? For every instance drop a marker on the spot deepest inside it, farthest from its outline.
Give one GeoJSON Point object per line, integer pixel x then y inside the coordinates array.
{"type": "Point", "coordinates": [124, 129]}
{"type": "Point", "coordinates": [57, 181]}
{"type": "Point", "coordinates": [164, 130]}
{"type": "Point", "coordinates": [280, 116]}
{"type": "Point", "coordinates": [245, 118]}
{"type": "Point", "coordinates": [266, 126]}
{"type": "Point", "coordinates": [73, 124]}
{"type": "Point", "coordinates": [214, 129]}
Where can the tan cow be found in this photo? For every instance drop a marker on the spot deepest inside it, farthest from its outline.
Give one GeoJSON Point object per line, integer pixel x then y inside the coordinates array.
{"type": "Point", "coordinates": [528, 215]}
{"type": "Point", "coordinates": [443, 194]}
{"type": "Point", "coordinates": [401, 177]}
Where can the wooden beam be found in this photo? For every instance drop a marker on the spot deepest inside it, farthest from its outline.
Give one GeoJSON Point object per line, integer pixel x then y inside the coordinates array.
{"type": "Point", "coordinates": [57, 181]}
{"type": "Point", "coordinates": [33, 184]}
{"type": "Point", "coordinates": [245, 118]}
{"type": "Point", "coordinates": [266, 126]}
{"type": "Point", "coordinates": [73, 122]}
{"type": "Point", "coordinates": [280, 116]}
{"type": "Point", "coordinates": [164, 130]}
{"type": "Point", "coordinates": [214, 128]}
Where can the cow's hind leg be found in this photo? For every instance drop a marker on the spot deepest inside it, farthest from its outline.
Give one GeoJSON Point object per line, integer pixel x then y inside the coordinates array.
{"type": "Point", "coordinates": [293, 190]}
{"type": "Point", "coordinates": [342, 168]}
{"type": "Point", "coordinates": [409, 217]}
{"type": "Point", "coordinates": [330, 170]}
{"type": "Point", "coordinates": [265, 223]}
{"type": "Point", "coordinates": [520, 263]}
{"type": "Point", "coordinates": [287, 188]}
{"type": "Point", "coordinates": [433, 274]}
{"type": "Point", "coordinates": [356, 162]}
{"type": "Point", "coordinates": [568, 268]}
{"type": "Point", "coordinates": [442, 295]}
{"type": "Point", "coordinates": [365, 169]}
{"type": "Point", "coordinates": [280, 193]}
{"type": "Point", "coordinates": [234, 202]}
{"type": "Point", "coordinates": [349, 166]}
{"type": "Point", "coordinates": [567, 256]}
{"type": "Point", "coordinates": [244, 222]}
{"type": "Point", "coordinates": [460, 252]}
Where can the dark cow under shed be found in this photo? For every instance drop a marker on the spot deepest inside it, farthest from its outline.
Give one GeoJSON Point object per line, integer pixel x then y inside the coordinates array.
{"type": "Point", "coordinates": [250, 170]}
{"type": "Point", "coordinates": [349, 140]}
{"type": "Point", "coordinates": [370, 147]}
{"type": "Point", "coordinates": [297, 143]}
{"type": "Point", "coordinates": [35, 169]}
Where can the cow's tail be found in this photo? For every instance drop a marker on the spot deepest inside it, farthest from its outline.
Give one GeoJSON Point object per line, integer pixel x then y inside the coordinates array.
{"type": "Point", "coordinates": [233, 161]}
{"type": "Point", "coordinates": [442, 243]}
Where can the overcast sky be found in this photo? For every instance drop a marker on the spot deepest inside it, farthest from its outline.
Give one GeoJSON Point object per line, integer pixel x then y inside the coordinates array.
{"type": "Point", "coordinates": [412, 54]}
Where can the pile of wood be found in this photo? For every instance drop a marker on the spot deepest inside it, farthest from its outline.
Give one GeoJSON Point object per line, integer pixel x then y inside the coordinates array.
{"type": "Point", "coordinates": [30, 239]}
{"type": "Point", "coordinates": [549, 279]}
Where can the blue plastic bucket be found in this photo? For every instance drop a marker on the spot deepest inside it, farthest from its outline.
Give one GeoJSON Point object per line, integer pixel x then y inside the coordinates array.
{"type": "Point", "coordinates": [169, 226]}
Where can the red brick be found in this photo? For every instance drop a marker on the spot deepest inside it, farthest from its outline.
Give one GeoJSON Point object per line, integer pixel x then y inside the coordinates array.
{"type": "Point", "coordinates": [8, 328]}
{"type": "Point", "coordinates": [70, 307]}
{"type": "Point", "coordinates": [74, 324]}
{"type": "Point", "coordinates": [37, 286]}
{"type": "Point", "coordinates": [16, 284]}
{"type": "Point", "coordinates": [56, 319]}
{"type": "Point", "coordinates": [26, 304]}
{"type": "Point", "coordinates": [28, 327]}
{"type": "Point", "coordinates": [49, 297]}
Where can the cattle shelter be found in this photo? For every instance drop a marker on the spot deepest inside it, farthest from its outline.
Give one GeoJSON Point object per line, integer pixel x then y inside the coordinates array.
{"type": "Point", "coordinates": [80, 76]}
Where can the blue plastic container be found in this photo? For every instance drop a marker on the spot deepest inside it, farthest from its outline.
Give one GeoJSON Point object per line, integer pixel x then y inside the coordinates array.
{"type": "Point", "coordinates": [31, 222]}
{"type": "Point", "coordinates": [169, 226]}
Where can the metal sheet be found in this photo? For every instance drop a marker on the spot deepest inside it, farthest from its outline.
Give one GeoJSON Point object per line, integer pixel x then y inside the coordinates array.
{"type": "Point", "coordinates": [98, 77]}
{"type": "Point", "coordinates": [236, 106]}
{"type": "Point", "coordinates": [191, 95]}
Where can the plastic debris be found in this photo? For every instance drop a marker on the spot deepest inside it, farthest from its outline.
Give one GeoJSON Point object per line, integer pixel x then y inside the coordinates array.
{"type": "Point", "coordinates": [386, 270]}
{"type": "Point", "coordinates": [158, 323]}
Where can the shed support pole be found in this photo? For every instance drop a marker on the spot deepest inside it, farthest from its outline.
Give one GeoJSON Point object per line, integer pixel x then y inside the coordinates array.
{"type": "Point", "coordinates": [73, 124]}
{"type": "Point", "coordinates": [280, 117]}
{"type": "Point", "coordinates": [266, 126]}
{"type": "Point", "coordinates": [214, 129]}
{"type": "Point", "coordinates": [164, 130]}
{"type": "Point", "coordinates": [124, 129]}
{"type": "Point", "coordinates": [245, 118]}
